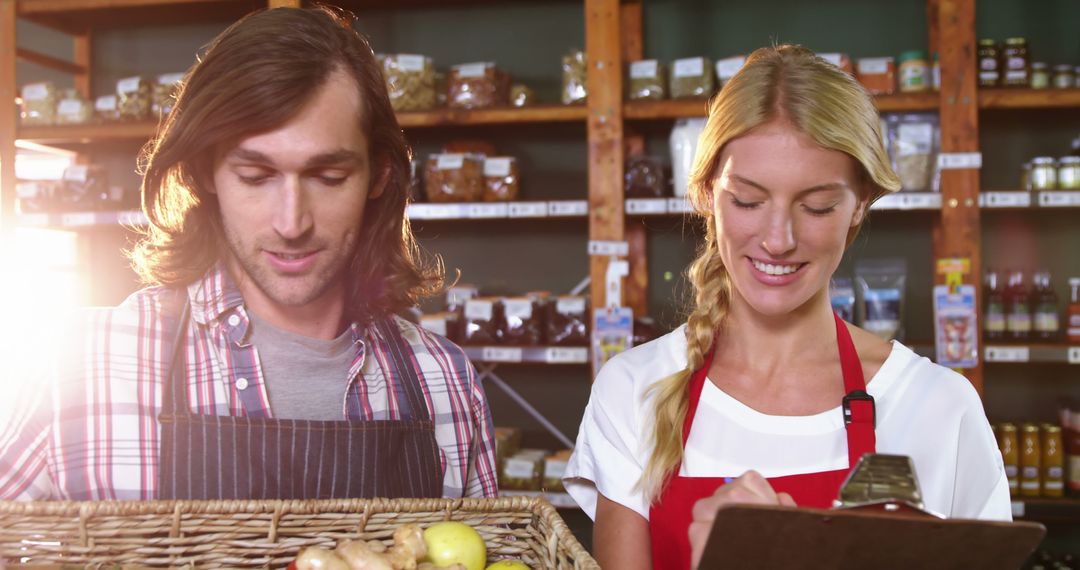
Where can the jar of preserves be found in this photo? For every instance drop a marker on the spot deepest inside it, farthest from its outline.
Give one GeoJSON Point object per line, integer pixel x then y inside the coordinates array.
{"type": "Point", "coordinates": [1043, 173]}
{"type": "Point", "coordinates": [1030, 461]}
{"type": "Point", "coordinates": [1040, 75]}
{"type": "Point", "coordinates": [989, 64]}
{"type": "Point", "coordinates": [914, 72]}
{"type": "Point", "coordinates": [1068, 173]}
{"type": "Point", "coordinates": [1016, 63]}
{"type": "Point", "coordinates": [1025, 176]}
{"type": "Point", "coordinates": [1064, 76]}
{"type": "Point", "coordinates": [1053, 462]}
{"type": "Point", "coordinates": [1009, 444]}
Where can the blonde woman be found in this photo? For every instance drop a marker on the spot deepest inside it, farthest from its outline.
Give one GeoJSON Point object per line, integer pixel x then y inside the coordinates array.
{"type": "Point", "coordinates": [765, 395]}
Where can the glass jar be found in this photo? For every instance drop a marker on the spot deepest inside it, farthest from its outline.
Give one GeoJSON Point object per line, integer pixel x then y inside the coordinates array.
{"type": "Point", "coordinates": [1030, 461]}
{"type": "Point", "coordinates": [1016, 63]}
{"type": "Point", "coordinates": [1064, 76]}
{"type": "Point", "coordinates": [1053, 462]}
{"type": "Point", "coordinates": [914, 72]}
{"type": "Point", "coordinates": [1025, 176]}
{"type": "Point", "coordinates": [989, 64]}
{"type": "Point", "coordinates": [1009, 444]}
{"type": "Point", "coordinates": [1068, 173]}
{"type": "Point", "coordinates": [935, 73]}
{"type": "Point", "coordinates": [1043, 173]}
{"type": "Point", "coordinates": [1040, 75]}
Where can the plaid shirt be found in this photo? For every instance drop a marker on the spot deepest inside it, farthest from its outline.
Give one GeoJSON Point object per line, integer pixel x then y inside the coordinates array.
{"type": "Point", "coordinates": [84, 426]}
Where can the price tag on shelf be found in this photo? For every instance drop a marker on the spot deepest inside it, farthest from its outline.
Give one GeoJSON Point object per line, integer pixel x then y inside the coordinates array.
{"type": "Point", "coordinates": [1008, 354]}
{"type": "Point", "coordinates": [33, 219]}
{"type": "Point", "coordinates": [609, 248]}
{"type": "Point", "coordinates": [78, 219]}
{"type": "Point", "coordinates": [646, 206]}
{"type": "Point", "coordinates": [500, 354]}
{"type": "Point", "coordinates": [679, 206]}
{"type": "Point", "coordinates": [131, 218]}
{"type": "Point", "coordinates": [565, 355]}
{"type": "Point", "coordinates": [488, 210]}
{"type": "Point", "coordinates": [528, 210]}
{"type": "Point", "coordinates": [436, 211]}
{"type": "Point", "coordinates": [1059, 199]}
{"type": "Point", "coordinates": [1074, 355]}
{"type": "Point", "coordinates": [960, 160]}
{"type": "Point", "coordinates": [568, 208]}
{"type": "Point", "coordinates": [1005, 199]}
{"type": "Point", "coordinates": [909, 201]}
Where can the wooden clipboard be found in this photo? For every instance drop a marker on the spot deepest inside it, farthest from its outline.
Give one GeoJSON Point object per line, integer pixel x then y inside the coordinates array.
{"type": "Point", "coordinates": [746, 536]}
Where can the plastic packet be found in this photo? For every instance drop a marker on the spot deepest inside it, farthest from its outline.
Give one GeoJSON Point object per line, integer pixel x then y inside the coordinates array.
{"type": "Point", "coordinates": [842, 297]}
{"type": "Point", "coordinates": [85, 187]}
{"type": "Point", "coordinates": [523, 322]}
{"type": "Point", "coordinates": [38, 104]}
{"type": "Point", "coordinates": [574, 68]}
{"type": "Point", "coordinates": [454, 177]}
{"type": "Point", "coordinates": [165, 91]}
{"type": "Point", "coordinates": [133, 98]}
{"type": "Point", "coordinates": [107, 108]}
{"type": "Point", "coordinates": [477, 85]}
{"type": "Point", "coordinates": [881, 287]}
{"type": "Point", "coordinates": [501, 179]}
{"type": "Point", "coordinates": [73, 109]}
{"type": "Point", "coordinates": [692, 77]}
{"type": "Point", "coordinates": [523, 471]}
{"type": "Point", "coordinates": [648, 81]}
{"type": "Point", "coordinates": [727, 68]}
{"type": "Point", "coordinates": [440, 323]}
{"type": "Point", "coordinates": [483, 321]}
{"type": "Point", "coordinates": [644, 177]}
{"type": "Point", "coordinates": [410, 81]}
{"type": "Point", "coordinates": [567, 323]}
{"type": "Point", "coordinates": [914, 149]}
{"type": "Point", "coordinates": [554, 469]}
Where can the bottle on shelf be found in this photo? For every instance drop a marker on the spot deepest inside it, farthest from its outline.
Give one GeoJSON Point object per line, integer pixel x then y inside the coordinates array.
{"type": "Point", "coordinates": [1017, 308]}
{"type": "Point", "coordinates": [1044, 303]}
{"type": "Point", "coordinates": [993, 306]}
{"type": "Point", "coordinates": [1073, 318]}
{"type": "Point", "coordinates": [1053, 462]}
{"type": "Point", "coordinates": [1030, 461]}
{"type": "Point", "coordinates": [1009, 444]}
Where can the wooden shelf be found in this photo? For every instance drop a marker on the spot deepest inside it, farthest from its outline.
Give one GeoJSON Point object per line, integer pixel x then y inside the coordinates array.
{"type": "Point", "coordinates": [533, 354]}
{"type": "Point", "coordinates": [1065, 510]}
{"type": "Point", "coordinates": [996, 352]}
{"type": "Point", "coordinates": [1029, 98]}
{"type": "Point", "coordinates": [77, 16]}
{"type": "Point", "coordinates": [1023, 200]}
{"type": "Point", "coordinates": [684, 108]}
{"type": "Point", "coordinates": [86, 134]}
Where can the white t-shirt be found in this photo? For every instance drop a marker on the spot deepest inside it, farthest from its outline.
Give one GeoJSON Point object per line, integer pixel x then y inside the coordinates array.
{"type": "Point", "coordinates": [924, 411]}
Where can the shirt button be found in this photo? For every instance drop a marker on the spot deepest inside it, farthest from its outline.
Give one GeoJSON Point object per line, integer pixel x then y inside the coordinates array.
{"type": "Point", "coordinates": [242, 384]}
{"type": "Point", "coordinates": [233, 321]}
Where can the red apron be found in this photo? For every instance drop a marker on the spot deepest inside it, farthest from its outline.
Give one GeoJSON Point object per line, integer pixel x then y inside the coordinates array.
{"type": "Point", "coordinates": [671, 515]}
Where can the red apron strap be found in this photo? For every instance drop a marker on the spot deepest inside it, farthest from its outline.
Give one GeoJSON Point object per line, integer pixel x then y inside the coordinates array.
{"type": "Point", "coordinates": [860, 415]}
{"type": "Point", "coordinates": [697, 384]}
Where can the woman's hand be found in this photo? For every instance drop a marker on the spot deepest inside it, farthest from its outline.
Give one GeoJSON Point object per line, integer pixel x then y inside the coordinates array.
{"type": "Point", "coordinates": [749, 489]}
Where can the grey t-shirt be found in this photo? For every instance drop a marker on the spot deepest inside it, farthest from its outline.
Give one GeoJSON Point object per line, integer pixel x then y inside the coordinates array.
{"type": "Point", "coordinates": [305, 377]}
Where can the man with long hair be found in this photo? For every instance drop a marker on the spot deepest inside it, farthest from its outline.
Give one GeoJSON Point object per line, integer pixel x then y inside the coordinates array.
{"type": "Point", "coordinates": [265, 359]}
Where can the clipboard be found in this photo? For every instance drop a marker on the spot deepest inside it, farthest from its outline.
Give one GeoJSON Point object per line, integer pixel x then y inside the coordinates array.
{"type": "Point", "coordinates": [750, 536]}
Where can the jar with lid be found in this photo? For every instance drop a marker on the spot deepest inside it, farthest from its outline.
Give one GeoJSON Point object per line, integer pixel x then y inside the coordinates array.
{"type": "Point", "coordinates": [1030, 461]}
{"type": "Point", "coordinates": [1068, 173]}
{"type": "Point", "coordinates": [1009, 444]}
{"type": "Point", "coordinates": [989, 64]}
{"type": "Point", "coordinates": [1064, 77]}
{"type": "Point", "coordinates": [1043, 173]}
{"type": "Point", "coordinates": [1040, 75]}
{"type": "Point", "coordinates": [1025, 176]}
{"type": "Point", "coordinates": [1016, 63]}
{"type": "Point", "coordinates": [914, 72]}
{"type": "Point", "coordinates": [1053, 462]}
{"type": "Point", "coordinates": [935, 73]}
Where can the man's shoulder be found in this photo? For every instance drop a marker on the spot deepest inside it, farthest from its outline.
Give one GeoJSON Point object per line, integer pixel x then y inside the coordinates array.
{"type": "Point", "coordinates": [426, 345]}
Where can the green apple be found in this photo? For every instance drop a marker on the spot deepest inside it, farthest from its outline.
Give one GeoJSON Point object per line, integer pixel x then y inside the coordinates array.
{"type": "Point", "coordinates": [508, 565]}
{"type": "Point", "coordinates": [455, 543]}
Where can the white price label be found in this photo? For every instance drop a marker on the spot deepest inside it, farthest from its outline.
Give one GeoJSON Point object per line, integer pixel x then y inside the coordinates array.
{"type": "Point", "coordinates": [679, 206]}
{"type": "Point", "coordinates": [497, 166]}
{"type": "Point", "coordinates": [728, 67]}
{"type": "Point", "coordinates": [519, 469]}
{"type": "Point", "coordinates": [1018, 509]}
{"type": "Point", "coordinates": [170, 78]}
{"type": "Point", "coordinates": [568, 208]}
{"type": "Point", "coordinates": [128, 85]}
{"type": "Point", "coordinates": [564, 355]}
{"type": "Point", "coordinates": [76, 173]}
{"type": "Point", "coordinates": [78, 219]}
{"type": "Point", "coordinates": [646, 206]}
{"type": "Point", "coordinates": [35, 91]}
{"type": "Point", "coordinates": [131, 218]}
{"type": "Point", "coordinates": [34, 219]}
{"type": "Point", "coordinates": [616, 248]}
{"type": "Point", "coordinates": [645, 69]}
{"type": "Point", "coordinates": [1008, 354]}
{"type": "Point", "coordinates": [500, 354]}
{"type": "Point", "coordinates": [1059, 199]}
{"type": "Point", "coordinates": [488, 210]}
{"type": "Point", "coordinates": [471, 69]}
{"type": "Point", "coordinates": [69, 107]}
{"type": "Point", "coordinates": [1005, 199]}
{"type": "Point", "coordinates": [436, 325]}
{"type": "Point", "coordinates": [528, 210]}
{"type": "Point", "coordinates": [105, 103]}
{"type": "Point", "coordinates": [570, 305]}
{"type": "Point", "coordinates": [518, 308]}
{"type": "Point", "coordinates": [479, 310]}
{"type": "Point", "coordinates": [410, 62]}
{"type": "Point", "coordinates": [873, 65]}
{"type": "Point", "coordinates": [909, 201]}
{"type": "Point", "coordinates": [554, 468]}
{"type": "Point", "coordinates": [1074, 355]}
{"type": "Point", "coordinates": [690, 67]}
{"type": "Point", "coordinates": [834, 58]}
{"type": "Point", "coordinates": [450, 161]}
{"type": "Point", "coordinates": [960, 160]}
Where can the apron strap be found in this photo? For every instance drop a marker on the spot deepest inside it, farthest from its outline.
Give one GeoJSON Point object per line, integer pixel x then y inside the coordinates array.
{"type": "Point", "coordinates": [697, 384]}
{"type": "Point", "coordinates": [860, 413]}
{"type": "Point", "coordinates": [406, 381]}
{"type": "Point", "coordinates": [175, 397]}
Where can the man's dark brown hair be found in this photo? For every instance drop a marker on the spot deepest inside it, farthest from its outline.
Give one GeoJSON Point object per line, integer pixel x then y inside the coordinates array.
{"type": "Point", "coordinates": [255, 77]}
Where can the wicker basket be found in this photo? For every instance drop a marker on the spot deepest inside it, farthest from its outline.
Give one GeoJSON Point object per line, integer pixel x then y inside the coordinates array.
{"type": "Point", "coordinates": [243, 534]}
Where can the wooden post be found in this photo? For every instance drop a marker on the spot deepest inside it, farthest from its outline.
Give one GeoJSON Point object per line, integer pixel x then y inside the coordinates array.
{"type": "Point", "coordinates": [637, 283]}
{"type": "Point", "coordinates": [604, 87]}
{"type": "Point", "coordinates": [8, 115]}
{"type": "Point", "coordinates": [959, 234]}
{"type": "Point", "coordinates": [84, 58]}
